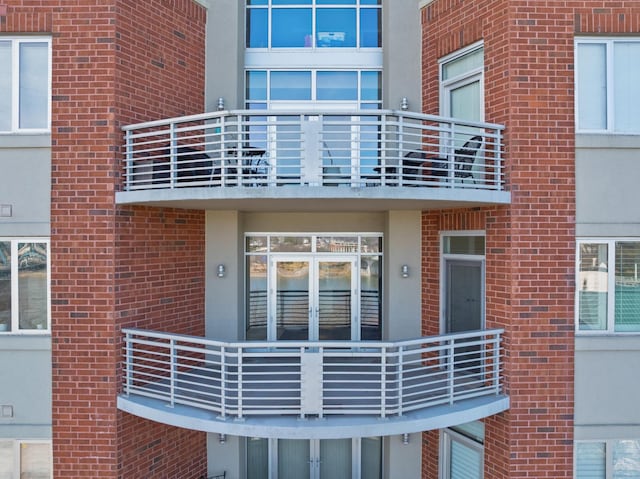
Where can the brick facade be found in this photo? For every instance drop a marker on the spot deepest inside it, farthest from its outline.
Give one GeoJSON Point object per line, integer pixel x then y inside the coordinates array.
{"type": "Point", "coordinates": [114, 63]}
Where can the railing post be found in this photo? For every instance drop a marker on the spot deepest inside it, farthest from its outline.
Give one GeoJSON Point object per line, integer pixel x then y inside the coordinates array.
{"type": "Point", "coordinates": [240, 353]}
{"type": "Point", "coordinates": [129, 161]}
{"type": "Point", "coordinates": [451, 369]}
{"type": "Point", "coordinates": [383, 383]}
{"type": "Point", "coordinates": [128, 363]}
{"type": "Point", "coordinates": [498, 160]}
{"type": "Point", "coordinates": [496, 363]}
{"type": "Point", "coordinates": [172, 371]}
{"type": "Point", "coordinates": [400, 378]}
{"type": "Point", "coordinates": [223, 382]}
{"type": "Point", "coordinates": [173, 155]}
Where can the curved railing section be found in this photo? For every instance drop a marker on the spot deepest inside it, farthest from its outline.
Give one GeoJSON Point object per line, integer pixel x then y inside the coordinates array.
{"type": "Point", "coordinates": [366, 148]}
{"type": "Point", "coordinates": [238, 380]}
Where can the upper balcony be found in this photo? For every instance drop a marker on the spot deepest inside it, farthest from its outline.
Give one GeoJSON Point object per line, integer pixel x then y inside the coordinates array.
{"type": "Point", "coordinates": [313, 389]}
{"type": "Point", "coordinates": [357, 160]}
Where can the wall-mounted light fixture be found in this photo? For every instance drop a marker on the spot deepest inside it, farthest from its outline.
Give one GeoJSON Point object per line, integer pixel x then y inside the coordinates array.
{"type": "Point", "coordinates": [220, 103]}
{"type": "Point", "coordinates": [222, 270]}
{"type": "Point", "coordinates": [405, 438]}
{"type": "Point", "coordinates": [404, 270]}
{"type": "Point", "coordinates": [404, 104]}
{"type": "Point", "coordinates": [222, 438]}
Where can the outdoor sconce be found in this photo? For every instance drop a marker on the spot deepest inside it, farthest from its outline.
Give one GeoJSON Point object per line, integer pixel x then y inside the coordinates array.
{"type": "Point", "coordinates": [222, 271]}
{"type": "Point", "coordinates": [404, 104]}
{"type": "Point", "coordinates": [220, 104]}
{"type": "Point", "coordinates": [404, 270]}
{"type": "Point", "coordinates": [405, 438]}
{"type": "Point", "coordinates": [223, 438]}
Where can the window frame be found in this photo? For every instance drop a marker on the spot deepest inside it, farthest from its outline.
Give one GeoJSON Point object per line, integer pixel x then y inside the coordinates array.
{"type": "Point", "coordinates": [16, 41]}
{"type": "Point", "coordinates": [17, 459]}
{"type": "Point", "coordinates": [609, 445]}
{"type": "Point", "coordinates": [611, 282]}
{"type": "Point", "coordinates": [15, 312]}
{"type": "Point", "coordinates": [609, 43]}
{"type": "Point", "coordinates": [447, 436]}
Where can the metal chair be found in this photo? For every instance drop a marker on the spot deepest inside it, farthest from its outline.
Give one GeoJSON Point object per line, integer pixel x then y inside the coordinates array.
{"type": "Point", "coordinates": [466, 156]}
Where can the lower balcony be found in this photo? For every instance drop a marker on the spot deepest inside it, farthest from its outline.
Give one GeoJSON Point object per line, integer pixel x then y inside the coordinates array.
{"type": "Point", "coordinates": [284, 160]}
{"type": "Point", "coordinates": [313, 390]}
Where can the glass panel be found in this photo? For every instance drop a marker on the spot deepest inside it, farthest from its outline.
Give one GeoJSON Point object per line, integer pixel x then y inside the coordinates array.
{"type": "Point", "coordinates": [626, 74]}
{"type": "Point", "coordinates": [590, 460]}
{"type": "Point", "coordinates": [257, 28]}
{"type": "Point", "coordinates": [291, 2]}
{"type": "Point", "coordinates": [5, 86]}
{"type": "Point", "coordinates": [336, 27]}
{"type": "Point", "coordinates": [465, 102]}
{"type": "Point", "coordinates": [32, 285]}
{"type": "Point", "coordinates": [371, 86]}
{"type": "Point", "coordinates": [370, 298]}
{"type": "Point", "coordinates": [256, 244]}
{"type": "Point", "coordinates": [473, 430]}
{"type": "Point", "coordinates": [592, 86]}
{"type": "Point", "coordinates": [593, 281]}
{"type": "Point", "coordinates": [370, 28]}
{"type": "Point", "coordinates": [464, 64]}
{"type": "Point", "coordinates": [335, 2]}
{"type": "Point", "coordinates": [34, 85]}
{"type": "Point", "coordinates": [627, 286]}
{"type": "Point", "coordinates": [290, 244]}
{"type": "Point", "coordinates": [5, 286]}
{"type": "Point", "coordinates": [337, 85]}
{"type": "Point", "coordinates": [337, 244]}
{"type": "Point", "coordinates": [466, 463]}
{"type": "Point", "coordinates": [35, 461]}
{"type": "Point", "coordinates": [291, 27]}
{"type": "Point", "coordinates": [256, 85]}
{"type": "Point", "coordinates": [371, 460]}
{"type": "Point", "coordinates": [257, 2]}
{"type": "Point", "coordinates": [292, 300]}
{"type": "Point", "coordinates": [290, 85]}
{"type": "Point", "coordinates": [6, 460]}
{"type": "Point", "coordinates": [335, 458]}
{"type": "Point", "coordinates": [371, 244]}
{"type": "Point", "coordinates": [337, 152]}
{"type": "Point", "coordinates": [257, 458]}
{"type": "Point", "coordinates": [257, 298]}
{"type": "Point", "coordinates": [334, 300]}
{"type": "Point", "coordinates": [626, 459]}
{"type": "Point", "coordinates": [464, 245]}
{"type": "Point", "coordinates": [370, 2]}
{"type": "Point", "coordinates": [293, 459]}
{"type": "Point", "coordinates": [288, 155]}
{"type": "Point", "coordinates": [464, 296]}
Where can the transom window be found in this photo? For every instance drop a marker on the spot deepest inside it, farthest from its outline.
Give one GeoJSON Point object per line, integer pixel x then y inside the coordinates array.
{"type": "Point", "coordinates": [25, 79]}
{"type": "Point", "coordinates": [24, 285]}
{"type": "Point", "coordinates": [607, 77]}
{"type": "Point", "coordinates": [314, 24]}
{"type": "Point", "coordinates": [608, 285]}
{"type": "Point", "coordinates": [612, 459]}
{"type": "Point", "coordinates": [355, 87]}
{"type": "Point", "coordinates": [462, 451]}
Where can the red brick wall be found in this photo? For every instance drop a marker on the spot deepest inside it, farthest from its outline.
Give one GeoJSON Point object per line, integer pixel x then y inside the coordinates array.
{"type": "Point", "coordinates": [116, 62]}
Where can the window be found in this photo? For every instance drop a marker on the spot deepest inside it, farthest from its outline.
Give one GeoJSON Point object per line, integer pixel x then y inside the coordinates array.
{"type": "Point", "coordinates": [314, 24]}
{"type": "Point", "coordinates": [25, 459]}
{"type": "Point", "coordinates": [607, 75]}
{"type": "Point", "coordinates": [462, 452]}
{"type": "Point", "coordinates": [24, 84]}
{"type": "Point", "coordinates": [613, 459]}
{"type": "Point", "coordinates": [462, 84]}
{"type": "Point", "coordinates": [24, 285]}
{"type": "Point", "coordinates": [608, 302]}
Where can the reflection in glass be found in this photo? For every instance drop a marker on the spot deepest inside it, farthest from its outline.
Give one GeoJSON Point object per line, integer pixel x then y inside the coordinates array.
{"type": "Point", "coordinates": [626, 459]}
{"type": "Point", "coordinates": [371, 457]}
{"type": "Point", "coordinates": [291, 27]}
{"type": "Point", "coordinates": [335, 458]}
{"type": "Point", "coordinates": [256, 85]}
{"type": "Point", "coordinates": [464, 245]}
{"type": "Point", "coordinates": [256, 244]}
{"type": "Point", "coordinates": [334, 300]}
{"type": "Point", "coordinates": [370, 299]}
{"type": "Point", "coordinates": [257, 458]}
{"type": "Point", "coordinates": [292, 300]}
{"type": "Point", "coordinates": [593, 280]}
{"type": "Point", "coordinates": [257, 28]}
{"type": "Point", "coordinates": [337, 244]}
{"type": "Point", "coordinates": [336, 27]}
{"type": "Point", "coordinates": [5, 86]}
{"type": "Point", "coordinates": [337, 85]}
{"type": "Point", "coordinates": [290, 244]}
{"type": "Point", "coordinates": [590, 459]}
{"type": "Point", "coordinates": [370, 28]}
{"type": "Point", "coordinates": [5, 286]}
{"type": "Point", "coordinates": [293, 459]}
{"type": "Point", "coordinates": [371, 86]}
{"type": "Point", "coordinates": [627, 314]}
{"type": "Point", "coordinates": [371, 244]}
{"type": "Point", "coordinates": [34, 84]}
{"type": "Point", "coordinates": [257, 298]}
{"type": "Point", "coordinates": [291, 85]}
{"type": "Point", "coordinates": [32, 285]}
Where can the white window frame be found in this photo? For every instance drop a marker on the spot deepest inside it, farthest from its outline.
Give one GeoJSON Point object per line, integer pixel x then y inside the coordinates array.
{"type": "Point", "coordinates": [608, 451]}
{"type": "Point", "coordinates": [447, 436]}
{"type": "Point", "coordinates": [16, 41]}
{"type": "Point", "coordinates": [15, 314]}
{"type": "Point", "coordinates": [608, 42]}
{"type": "Point", "coordinates": [17, 445]}
{"type": "Point", "coordinates": [611, 281]}
{"type": "Point", "coordinates": [466, 78]}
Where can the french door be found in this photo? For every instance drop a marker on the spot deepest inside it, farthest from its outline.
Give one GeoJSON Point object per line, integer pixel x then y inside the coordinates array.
{"type": "Point", "coordinates": [313, 298]}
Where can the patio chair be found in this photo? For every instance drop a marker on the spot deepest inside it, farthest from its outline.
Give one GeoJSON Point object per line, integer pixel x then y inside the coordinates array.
{"type": "Point", "coordinates": [465, 157]}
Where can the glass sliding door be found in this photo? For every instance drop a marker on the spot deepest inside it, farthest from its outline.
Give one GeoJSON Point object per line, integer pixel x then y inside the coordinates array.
{"type": "Point", "coordinates": [291, 302]}
{"type": "Point", "coordinates": [335, 302]}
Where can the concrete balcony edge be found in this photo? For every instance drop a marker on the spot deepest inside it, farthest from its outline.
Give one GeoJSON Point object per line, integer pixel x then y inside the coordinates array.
{"type": "Point", "coordinates": [332, 427]}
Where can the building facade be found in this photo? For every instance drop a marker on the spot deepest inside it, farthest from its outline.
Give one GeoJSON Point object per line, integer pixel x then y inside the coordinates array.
{"type": "Point", "coordinates": [319, 238]}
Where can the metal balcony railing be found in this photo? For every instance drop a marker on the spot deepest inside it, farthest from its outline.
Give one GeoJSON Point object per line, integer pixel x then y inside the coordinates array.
{"type": "Point", "coordinates": [367, 148]}
{"type": "Point", "coordinates": [312, 379]}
